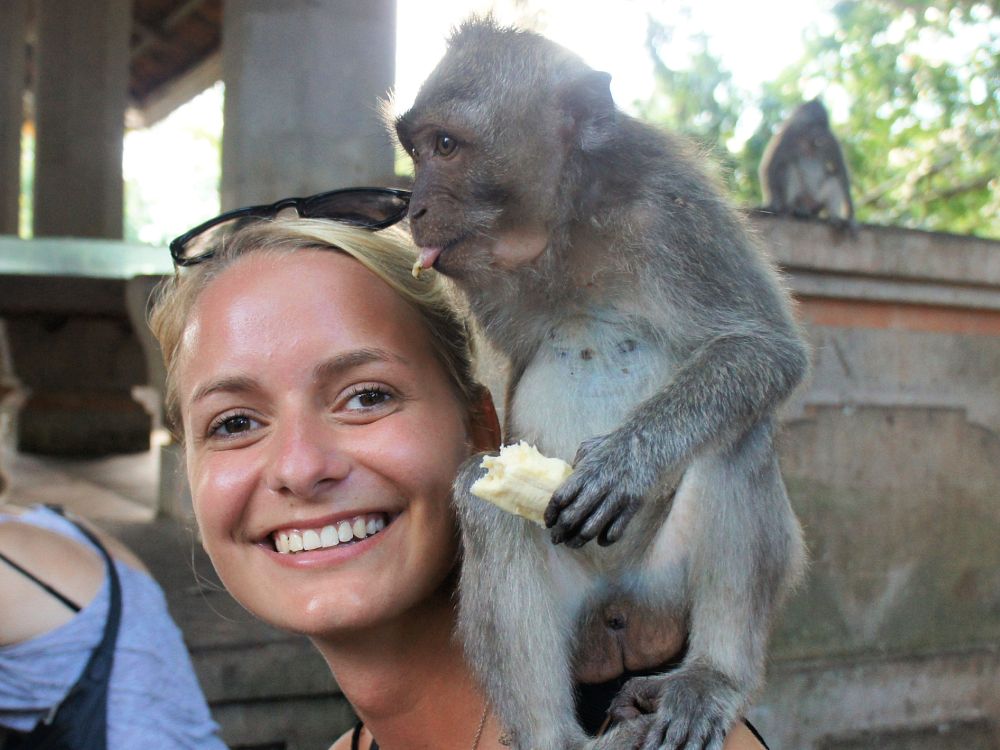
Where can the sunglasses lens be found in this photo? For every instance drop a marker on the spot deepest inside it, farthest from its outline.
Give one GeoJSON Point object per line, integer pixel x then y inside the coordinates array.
{"type": "Point", "coordinates": [373, 209]}
{"type": "Point", "coordinates": [207, 242]}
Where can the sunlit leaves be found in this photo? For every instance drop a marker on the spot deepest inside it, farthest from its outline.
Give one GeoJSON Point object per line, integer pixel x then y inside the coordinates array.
{"type": "Point", "coordinates": [913, 88]}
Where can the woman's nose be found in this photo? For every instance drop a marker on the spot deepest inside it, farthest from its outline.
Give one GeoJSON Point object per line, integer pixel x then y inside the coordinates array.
{"type": "Point", "coordinates": [304, 456]}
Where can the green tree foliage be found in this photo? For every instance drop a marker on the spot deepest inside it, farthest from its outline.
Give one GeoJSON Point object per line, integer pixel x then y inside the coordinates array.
{"type": "Point", "coordinates": [700, 101]}
{"type": "Point", "coordinates": [914, 92]}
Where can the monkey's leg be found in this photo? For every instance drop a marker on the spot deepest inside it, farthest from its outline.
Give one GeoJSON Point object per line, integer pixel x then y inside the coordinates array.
{"type": "Point", "coordinates": [746, 551]}
{"type": "Point", "coordinates": [835, 197]}
{"type": "Point", "coordinates": [517, 609]}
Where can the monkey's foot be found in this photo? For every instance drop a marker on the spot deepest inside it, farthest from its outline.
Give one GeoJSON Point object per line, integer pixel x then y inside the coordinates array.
{"type": "Point", "coordinates": [694, 708]}
{"type": "Point", "coordinates": [626, 735]}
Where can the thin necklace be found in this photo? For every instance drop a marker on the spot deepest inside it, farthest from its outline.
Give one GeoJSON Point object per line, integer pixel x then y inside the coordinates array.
{"type": "Point", "coordinates": [475, 742]}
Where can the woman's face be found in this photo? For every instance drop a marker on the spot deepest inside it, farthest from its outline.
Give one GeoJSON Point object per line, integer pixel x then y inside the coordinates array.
{"type": "Point", "coordinates": [314, 410]}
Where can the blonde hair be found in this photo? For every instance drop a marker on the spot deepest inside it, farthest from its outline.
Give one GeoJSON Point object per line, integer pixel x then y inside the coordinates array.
{"type": "Point", "coordinates": [388, 254]}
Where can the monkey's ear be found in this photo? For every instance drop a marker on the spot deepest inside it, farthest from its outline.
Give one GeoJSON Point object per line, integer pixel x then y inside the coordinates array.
{"type": "Point", "coordinates": [588, 102]}
{"type": "Point", "coordinates": [485, 427]}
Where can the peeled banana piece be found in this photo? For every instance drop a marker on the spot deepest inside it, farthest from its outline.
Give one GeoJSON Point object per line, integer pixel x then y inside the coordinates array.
{"type": "Point", "coordinates": [521, 480]}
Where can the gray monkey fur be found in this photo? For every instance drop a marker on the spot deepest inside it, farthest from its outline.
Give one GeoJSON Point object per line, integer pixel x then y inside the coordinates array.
{"type": "Point", "coordinates": [648, 340]}
{"type": "Point", "coordinates": [802, 171]}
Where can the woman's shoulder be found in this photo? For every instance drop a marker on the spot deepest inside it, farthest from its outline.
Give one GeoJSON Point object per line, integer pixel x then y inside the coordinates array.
{"type": "Point", "coordinates": [33, 559]}
{"type": "Point", "coordinates": [344, 741]}
{"type": "Point", "coordinates": [741, 737]}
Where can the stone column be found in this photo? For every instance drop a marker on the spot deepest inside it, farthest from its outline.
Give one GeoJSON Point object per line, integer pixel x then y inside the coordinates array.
{"type": "Point", "coordinates": [80, 96]}
{"type": "Point", "coordinates": [13, 24]}
{"type": "Point", "coordinates": [77, 361]}
{"type": "Point", "coordinates": [303, 83]}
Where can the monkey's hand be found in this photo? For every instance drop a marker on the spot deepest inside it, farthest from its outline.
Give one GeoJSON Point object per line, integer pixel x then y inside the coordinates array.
{"type": "Point", "coordinates": [599, 498]}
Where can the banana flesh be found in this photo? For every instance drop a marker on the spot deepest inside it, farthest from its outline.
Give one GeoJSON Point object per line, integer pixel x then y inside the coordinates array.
{"type": "Point", "coordinates": [521, 480]}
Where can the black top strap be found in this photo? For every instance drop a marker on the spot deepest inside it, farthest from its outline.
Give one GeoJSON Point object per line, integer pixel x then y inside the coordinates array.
{"type": "Point", "coordinates": [356, 737]}
{"type": "Point", "coordinates": [35, 579]}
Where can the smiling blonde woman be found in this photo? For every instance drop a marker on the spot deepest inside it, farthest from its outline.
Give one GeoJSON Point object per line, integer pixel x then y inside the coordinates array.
{"type": "Point", "coordinates": [325, 400]}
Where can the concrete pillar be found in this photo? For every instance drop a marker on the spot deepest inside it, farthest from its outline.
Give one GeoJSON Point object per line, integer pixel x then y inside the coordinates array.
{"type": "Point", "coordinates": [78, 367]}
{"type": "Point", "coordinates": [80, 97]}
{"type": "Point", "coordinates": [13, 24]}
{"type": "Point", "coordinates": [303, 79]}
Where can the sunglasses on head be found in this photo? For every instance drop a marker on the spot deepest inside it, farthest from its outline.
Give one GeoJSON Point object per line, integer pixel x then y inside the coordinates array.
{"type": "Point", "coordinates": [368, 207]}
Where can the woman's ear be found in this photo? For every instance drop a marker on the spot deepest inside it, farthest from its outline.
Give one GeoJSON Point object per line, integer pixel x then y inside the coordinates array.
{"type": "Point", "coordinates": [484, 429]}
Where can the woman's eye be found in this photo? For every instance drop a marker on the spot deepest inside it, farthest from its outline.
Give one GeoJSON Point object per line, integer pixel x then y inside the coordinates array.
{"type": "Point", "coordinates": [233, 425]}
{"type": "Point", "coordinates": [368, 398]}
{"type": "Point", "coordinates": [445, 145]}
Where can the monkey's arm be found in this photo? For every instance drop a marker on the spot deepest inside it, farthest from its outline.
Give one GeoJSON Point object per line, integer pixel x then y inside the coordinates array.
{"type": "Point", "coordinates": [725, 387]}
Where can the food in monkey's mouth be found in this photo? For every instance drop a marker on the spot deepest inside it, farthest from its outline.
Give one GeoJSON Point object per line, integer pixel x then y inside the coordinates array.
{"type": "Point", "coordinates": [425, 260]}
{"type": "Point", "coordinates": [521, 480]}
{"type": "Point", "coordinates": [346, 531]}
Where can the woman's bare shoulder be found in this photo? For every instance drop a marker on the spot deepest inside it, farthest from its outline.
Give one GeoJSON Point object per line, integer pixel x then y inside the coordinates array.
{"type": "Point", "coordinates": [741, 738]}
{"type": "Point", "coordinates": [17, 530]}
{"type": "Point", "coordinates": [344, 741]}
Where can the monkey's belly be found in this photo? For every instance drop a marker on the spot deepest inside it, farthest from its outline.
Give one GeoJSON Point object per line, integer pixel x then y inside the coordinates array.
{"type": "Point", "coordinates": [584, 379]}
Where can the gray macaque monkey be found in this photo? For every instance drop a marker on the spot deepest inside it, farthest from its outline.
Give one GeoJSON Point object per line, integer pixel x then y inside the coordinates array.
{"type": "Point", "coordinates": [802, 172]}
{"type": "Point", "coordinates": [648, 341]}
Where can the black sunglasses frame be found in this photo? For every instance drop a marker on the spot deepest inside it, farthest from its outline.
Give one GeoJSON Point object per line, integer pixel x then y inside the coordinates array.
{"type": "Point", "coordinates": [302, 206]}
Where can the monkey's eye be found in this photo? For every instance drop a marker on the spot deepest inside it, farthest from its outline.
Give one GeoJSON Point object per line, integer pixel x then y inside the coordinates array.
{"type": "Point", "coordinates": [445, 145]}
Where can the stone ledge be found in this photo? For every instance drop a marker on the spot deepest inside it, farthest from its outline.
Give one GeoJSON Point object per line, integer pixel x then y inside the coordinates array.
{"type": "Point", "coordinates": [884, 253]}
{"type": "Point", "coordinates": [76, 257]}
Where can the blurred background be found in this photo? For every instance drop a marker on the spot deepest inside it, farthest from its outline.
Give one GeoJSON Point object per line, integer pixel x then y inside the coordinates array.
{"type": "Point", "coordinates": [125, 122]}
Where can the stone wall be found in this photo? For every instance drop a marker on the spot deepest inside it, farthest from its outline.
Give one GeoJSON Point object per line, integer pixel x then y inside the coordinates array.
{"type": "Point", "coordinates": [891, 454]}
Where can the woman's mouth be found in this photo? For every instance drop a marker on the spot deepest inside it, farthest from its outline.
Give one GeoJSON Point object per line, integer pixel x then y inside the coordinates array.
{"type": "Point", "coordinates": [347, 531]}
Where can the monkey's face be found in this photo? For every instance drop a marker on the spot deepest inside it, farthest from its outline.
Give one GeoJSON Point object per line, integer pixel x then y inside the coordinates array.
{"type": "Point", "coordinates": [470, 211]}
{"type": "Point", "coordinates": [455, 204]}
{"type": "Point", "coordinates": [492, 135]}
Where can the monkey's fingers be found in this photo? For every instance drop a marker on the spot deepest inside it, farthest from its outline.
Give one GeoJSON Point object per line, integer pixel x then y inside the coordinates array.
{"type": "Point", "coordinates": [573, 510]}
{"type": "Point", "coordinates": [640, 695]}
{"type": "Point", "coordinates": [614, 530]}
{"type": "Point", "coordinates": [615, 510]}
{"type": "Point", "coordinates": [683, 736]}
{"type": "Point", "coordinates": [564, 496]}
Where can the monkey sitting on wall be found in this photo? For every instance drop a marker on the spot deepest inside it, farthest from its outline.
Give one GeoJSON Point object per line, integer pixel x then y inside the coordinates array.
{"type": "Point", "coordinates": [649, 341]}
{"type": "Point", "coordinates": [802, 172]}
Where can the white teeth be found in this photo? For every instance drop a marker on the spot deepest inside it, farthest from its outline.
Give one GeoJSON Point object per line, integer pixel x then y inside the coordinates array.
{"type": "Point", "coordinates": [345, 532]}
{"type": "Point", "coordinates": [310, 539]}
{"type": "Point", "coordinates": [359, 527]}
{"type": "Point", "coordinates": [328, 536]}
